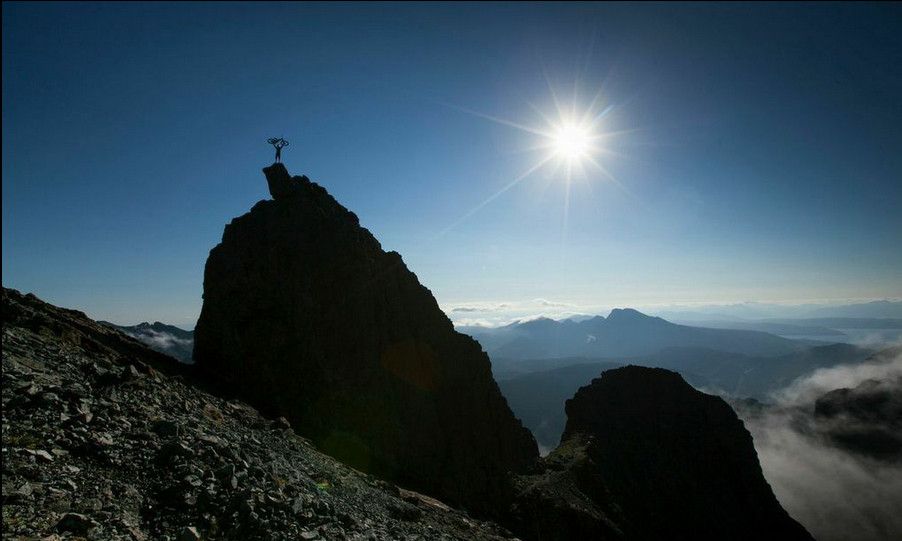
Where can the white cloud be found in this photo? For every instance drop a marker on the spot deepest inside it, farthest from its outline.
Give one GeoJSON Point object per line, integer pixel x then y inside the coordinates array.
{"type": "Point", "coordinates": [836, 494]}
{"type": "Point", "coordinates": [161, 339]}
{"type": "Point", "coordinates": [808, 388]}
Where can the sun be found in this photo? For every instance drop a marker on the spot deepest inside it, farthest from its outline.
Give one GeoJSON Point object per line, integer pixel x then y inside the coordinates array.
{"type": "Point", "coordinates": [571, 142]}
{"type": "Point", "coordinates": [572, 138]}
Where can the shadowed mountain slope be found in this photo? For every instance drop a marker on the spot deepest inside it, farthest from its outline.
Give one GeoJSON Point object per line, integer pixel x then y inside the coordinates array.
{"type": "Point", "coordinates": [105, 439]}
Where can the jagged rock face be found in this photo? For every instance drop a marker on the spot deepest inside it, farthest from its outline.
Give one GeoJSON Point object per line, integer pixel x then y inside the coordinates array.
{"type": "Point", "coordinates": [678, 463]}
{"type": "Point", "coordinates": [305, 314]}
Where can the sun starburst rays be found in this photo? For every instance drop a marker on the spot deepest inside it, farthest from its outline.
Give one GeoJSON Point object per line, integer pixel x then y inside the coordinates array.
{"type": "Point", "coordinates": [569, 142]}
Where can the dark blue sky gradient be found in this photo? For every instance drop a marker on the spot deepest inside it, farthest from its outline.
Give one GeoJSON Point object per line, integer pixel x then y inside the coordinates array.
{"type": "Point", "coordinates": [761, 157]}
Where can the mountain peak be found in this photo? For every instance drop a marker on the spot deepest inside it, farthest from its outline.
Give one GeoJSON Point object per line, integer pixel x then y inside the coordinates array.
{"type": "Point", "coordinates": [305, 315]}
{"type": "Point", "coordinates": [628, 314]}
{"type": "Point", "coordinates": [155, 326]}
{"type": "Point", "coordinates": [539, 322]}
{"type": "Point", "coordinates": [281, 184]}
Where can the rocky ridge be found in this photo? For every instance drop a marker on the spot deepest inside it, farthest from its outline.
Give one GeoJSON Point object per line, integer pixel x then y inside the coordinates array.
{"type": "Point", "coordinates": [104, 438]}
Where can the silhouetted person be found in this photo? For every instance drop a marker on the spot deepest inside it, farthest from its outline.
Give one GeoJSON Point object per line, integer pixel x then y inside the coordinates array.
{"type": "Point", "coordinates": [279, 143]}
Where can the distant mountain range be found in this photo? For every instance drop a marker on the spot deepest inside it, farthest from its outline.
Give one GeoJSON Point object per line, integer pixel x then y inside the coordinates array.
{"type": "Point", "coordinates": [883, 309]}
{"type": "Point", "coordinates": [868, 332]}
{"type": "Point", "coordinates": [167, 339]}
{"type": "Point", "coordinates": [874, 309]}
{"type": "Point", "coordinates": [624, 333]}
{"type": "Point", "coordinates": [784, 328]}
{"type": "Point", "coordinates": [839, 322]}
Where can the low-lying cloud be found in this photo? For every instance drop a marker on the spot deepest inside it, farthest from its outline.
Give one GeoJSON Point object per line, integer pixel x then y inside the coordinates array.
{"type": "Point", "coordinates": [162, 339]}
{"type": "Point", "coordinates": [836, 493]}
{"type": "Point", "coordinates": [823, 380]}
{"type": "Point", "coordinates": [164, 342]}
{"type": "Point", "coordinates": [497, 314]}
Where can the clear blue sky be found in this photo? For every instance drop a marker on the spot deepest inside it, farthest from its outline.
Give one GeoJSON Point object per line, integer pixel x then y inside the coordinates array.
{"type": "Point", "coordinates": [760, 159]}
